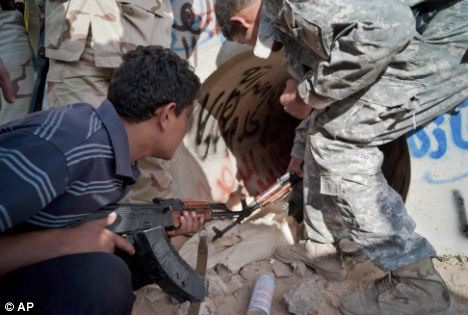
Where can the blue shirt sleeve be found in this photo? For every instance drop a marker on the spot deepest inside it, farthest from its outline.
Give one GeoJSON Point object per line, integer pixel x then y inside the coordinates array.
{"type": "Point", "coordinates": [33, 173]}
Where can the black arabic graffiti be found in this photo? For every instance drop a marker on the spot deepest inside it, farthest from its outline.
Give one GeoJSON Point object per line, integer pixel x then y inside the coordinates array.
{"type": "Point", "coordinates": [191, 27]}
{"type": "Point", "coordinates": [192, 22]}
{"type": "Point", "coordinates": [236, 126]}
{"type": "Point", "coordinates": [461, 212]}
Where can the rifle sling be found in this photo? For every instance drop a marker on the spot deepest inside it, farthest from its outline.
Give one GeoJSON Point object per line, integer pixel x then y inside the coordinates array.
{"type": "Point", "coordinates": [202, 261]}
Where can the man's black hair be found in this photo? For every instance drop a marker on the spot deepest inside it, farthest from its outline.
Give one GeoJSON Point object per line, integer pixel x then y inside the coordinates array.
{"type": "Point", "coordinates": [224, 10]}
{"type": "Point", "coordinates": [148, 78]}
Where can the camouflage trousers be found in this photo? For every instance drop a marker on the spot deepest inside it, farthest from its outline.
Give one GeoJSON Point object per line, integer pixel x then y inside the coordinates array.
{"type": "Point", "coordinates": [344, 183]}
{"type": "Point", "coordinates": [155, 180]}
{"type": "Point", "coordinates": [16, 55]}
{"type": "Point", "coordinates": [346, 193]}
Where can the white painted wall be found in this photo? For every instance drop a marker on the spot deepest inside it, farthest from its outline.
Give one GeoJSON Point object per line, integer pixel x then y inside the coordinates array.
{"type": "Point", "coordinates": [196, 38]}
{"type": "Point", "coordinates": [439, 181]}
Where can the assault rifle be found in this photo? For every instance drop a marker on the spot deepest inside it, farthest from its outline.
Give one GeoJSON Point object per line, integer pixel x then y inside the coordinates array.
{"type": "Point", "coordinates": [155, 259]}
{"type": "Point", "coordinates": [279, 191]}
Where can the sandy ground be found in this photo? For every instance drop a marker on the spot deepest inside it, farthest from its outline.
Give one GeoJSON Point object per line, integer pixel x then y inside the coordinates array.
{"type": "Point", "coordinates": [298, 289]}
{"type": "Point", "coordinates": [306, 292]}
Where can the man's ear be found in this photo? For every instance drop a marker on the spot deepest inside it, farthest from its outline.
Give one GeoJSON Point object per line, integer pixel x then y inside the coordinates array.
{"type": "Point", "coordinates": [164, 114]}
{"type": "Point", "coordinates": [239, 22]}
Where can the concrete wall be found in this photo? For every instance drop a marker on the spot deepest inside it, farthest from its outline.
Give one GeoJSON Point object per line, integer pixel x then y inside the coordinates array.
{"type": "Point", "coordinates": [196, 38]}
{"type": "Point", "coordinates": [439, 181]}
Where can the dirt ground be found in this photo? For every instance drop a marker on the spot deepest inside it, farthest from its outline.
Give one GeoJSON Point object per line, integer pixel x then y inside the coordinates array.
{"type": "Point", "coordinates": [298, 289]}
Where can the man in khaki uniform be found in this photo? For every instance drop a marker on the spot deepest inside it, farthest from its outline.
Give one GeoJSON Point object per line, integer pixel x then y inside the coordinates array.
{"type": "Point", "coordinates": [85, 41]}
{"type": "Point", "coordinates": [16, 63]}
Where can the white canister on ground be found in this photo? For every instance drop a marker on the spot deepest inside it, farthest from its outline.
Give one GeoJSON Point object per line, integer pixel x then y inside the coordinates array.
{"type": "Point", "coordinates": [262, 295]}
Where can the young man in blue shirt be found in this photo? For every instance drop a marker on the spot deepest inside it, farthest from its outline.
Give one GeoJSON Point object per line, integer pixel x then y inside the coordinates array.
{"type": "Point", "coordinates": [60, 165]}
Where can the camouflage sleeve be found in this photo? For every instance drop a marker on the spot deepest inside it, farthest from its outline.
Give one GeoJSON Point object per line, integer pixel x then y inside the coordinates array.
{"type": "Point", "coordinates": [364, 42]}
{"type": "Point", "coordinates": [300, 139]}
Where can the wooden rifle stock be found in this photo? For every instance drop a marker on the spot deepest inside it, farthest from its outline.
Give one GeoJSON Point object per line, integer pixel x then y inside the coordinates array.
{"type": "Point", "coordinates": [274, 193]}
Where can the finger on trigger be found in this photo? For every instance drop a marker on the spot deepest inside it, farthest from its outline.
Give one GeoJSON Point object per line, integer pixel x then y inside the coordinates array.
{"type": "Point", "coordinates": [123, 244]}
{"type": "Point", "coordinates": [111, 218]}
{"type": "Point", "coordinates": [107, 220]}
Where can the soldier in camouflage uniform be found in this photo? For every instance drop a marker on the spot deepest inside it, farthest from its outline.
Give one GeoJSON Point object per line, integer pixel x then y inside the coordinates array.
{"type": "Point", "coordinates": [372, 71]}
{"type": "Point", "coordinates": [16, 57]}
{"type": "Point", "coordinates": [85, 41]}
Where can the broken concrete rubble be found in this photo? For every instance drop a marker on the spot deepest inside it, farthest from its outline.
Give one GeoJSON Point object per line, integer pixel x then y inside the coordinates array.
{"type": "Point", "coordinates": [305, 298]}
{"type": "Point", "coordinates": [281, 269]}
{"type": "Point", "coordinates": [299, 268]}
{"type": "Point", "coordinates": [207, 307]}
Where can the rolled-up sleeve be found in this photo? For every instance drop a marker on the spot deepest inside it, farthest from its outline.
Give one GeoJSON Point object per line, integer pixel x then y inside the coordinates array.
{"type": "Point", "coordinates": [33, 173]}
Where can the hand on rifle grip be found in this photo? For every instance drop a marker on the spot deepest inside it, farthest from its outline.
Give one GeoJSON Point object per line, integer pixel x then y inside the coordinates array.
{"type": "Point", "coordinates": [93, 236]}
{"type": "Point", "coordinates": [295, 166]}
{"type": "Point", "coordinates": [5, 84]}
{"type": "Point", "coordinates": [190, 223]}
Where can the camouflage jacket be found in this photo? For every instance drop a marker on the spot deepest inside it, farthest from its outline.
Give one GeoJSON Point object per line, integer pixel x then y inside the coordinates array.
{"type": "Point", "coordinates": [337, 48]}
{"type": "Point", "coordinates": [116, 27]}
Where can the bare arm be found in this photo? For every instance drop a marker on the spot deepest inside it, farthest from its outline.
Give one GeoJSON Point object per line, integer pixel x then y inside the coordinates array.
{"type": "Point", "coordinates": [20, 250]}
{"type": "Point", "coordinates": [5, 84]}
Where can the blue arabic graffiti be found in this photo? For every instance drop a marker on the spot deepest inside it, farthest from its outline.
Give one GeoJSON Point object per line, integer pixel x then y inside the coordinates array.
{"type": "Point", "coordinates": [419, 142]}
{"type": "Point", "coordinates": [431, 180]}
{"type": "Point", "coordinates": [457, 128]}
